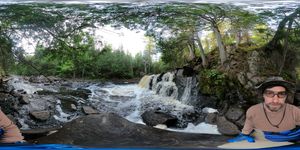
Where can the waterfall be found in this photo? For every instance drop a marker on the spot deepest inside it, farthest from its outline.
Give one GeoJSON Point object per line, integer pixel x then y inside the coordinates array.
{"type": "Point", "coordinates": [171, 85]}
{"type": "Point", "coordinates": [144, 82]}
{"type": "Point", "coordinates": [128, 101]}
{"type": "Point", "coordinates": [166, 87]}
{"type": "Point", "coordinates": [186, 96]}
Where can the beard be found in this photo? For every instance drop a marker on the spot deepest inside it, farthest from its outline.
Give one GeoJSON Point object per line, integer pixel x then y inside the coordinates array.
{"type": "Point", "coordinates": [274, 107]}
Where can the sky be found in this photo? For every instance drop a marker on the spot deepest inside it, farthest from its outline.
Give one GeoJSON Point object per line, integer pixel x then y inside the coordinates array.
{"type": "Point", "coordinates": [130, 41]}
{"type": "Point", "coordinates": [133, 41]}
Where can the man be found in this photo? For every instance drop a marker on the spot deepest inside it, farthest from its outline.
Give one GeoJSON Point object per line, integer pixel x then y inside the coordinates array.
{"type": "Point", "coordinates": [9, 132]}
{"type": "Point", "coordinates": [274, 116]}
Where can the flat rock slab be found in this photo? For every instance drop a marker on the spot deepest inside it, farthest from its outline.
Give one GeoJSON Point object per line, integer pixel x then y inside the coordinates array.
{"type": "Point", "coordinates": [111, 130]}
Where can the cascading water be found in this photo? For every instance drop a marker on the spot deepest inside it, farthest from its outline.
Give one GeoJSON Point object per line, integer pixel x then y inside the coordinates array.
{"type": "Point", "coordinates": [186, 96]}
{"type": "Point", "coordinates": [184, 90]}
{"type": "Point", "coordinates": [180, 91]}
{"type": "Point", "coordinates": [130, 101]}
{"type": "Point", "coordinates": [20, 84]}
{"type": "Point", "coordinates": [127, 100]}
{"type": "Point", "coordinates": [166, 87]}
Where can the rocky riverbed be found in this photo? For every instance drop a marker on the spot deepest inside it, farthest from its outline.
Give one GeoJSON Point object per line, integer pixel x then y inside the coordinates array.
{"type": "Point", "coordinates": [92, 114]}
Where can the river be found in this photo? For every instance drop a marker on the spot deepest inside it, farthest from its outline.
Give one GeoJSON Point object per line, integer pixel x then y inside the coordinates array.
{"type": "Point", "coordinates": [126, 100]}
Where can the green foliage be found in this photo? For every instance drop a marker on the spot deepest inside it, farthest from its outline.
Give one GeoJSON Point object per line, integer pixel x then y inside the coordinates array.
{"type": "Point", "coordinates": [213, 82]}
{"type": "Point", "coordinates": [138, 65]}
{"type": "Point", "coordinates": [174, 51]}
{"type": "Point", "coordinates": [261, 35]}
{"type": "Point", "coordinates": [6, 55]}
{"type": "Point", "coordinates": [70, 52]}
{"type": "Point", "coordinates": [159, 67]}
{"type": "Point", "coordinates": [104, 64]}
{"type": "Point", "coordinates": [115, 64]}
{"type": "Point", "coordinates": [66, 68]}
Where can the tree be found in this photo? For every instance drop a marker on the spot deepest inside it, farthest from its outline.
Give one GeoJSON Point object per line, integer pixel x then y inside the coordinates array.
{"type": "Point", "coordinates": [39, 22]}
{"type": "Point", "coordinates": [242, 22]}
{"type": "Point", "coordinates": [286, 35]}
{"type": "Point", "coordinates": [148, 52]}
{"type": "Point", "coordinates": [214, 15]}
{"type": "Point", "coordinates": [6, 55]}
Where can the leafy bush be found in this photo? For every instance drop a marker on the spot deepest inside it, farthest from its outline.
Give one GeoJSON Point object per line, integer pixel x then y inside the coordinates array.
{"type": "Point", "coordinates": [212, 82]}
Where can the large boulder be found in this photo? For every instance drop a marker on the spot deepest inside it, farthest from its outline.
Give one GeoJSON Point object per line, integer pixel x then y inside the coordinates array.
{"type": "Point", "coordinates": [111, 130]}
{"type": "Point", "coordinates": [233, 114]}
{"type": "Point", "coordinates": [153, 118]}
{"type": "Point", "coordinates": [40, 115]}
{"type": "Point", "coordinates": [226, 127]}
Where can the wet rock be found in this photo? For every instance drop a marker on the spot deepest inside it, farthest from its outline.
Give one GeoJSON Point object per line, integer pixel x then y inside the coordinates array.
{"type": "Point", "coordinates": [46, 92]}
{"type": "Point", "coordinates": [31, 134]}
{"type": "Point", "coordinates": [73, 107]}
{"type": "Point", "coordinates": [211, 118]}
{"type": "Point", "coordinates": [179, 72]}
{"type": "Point", "coordinates": [24, 99]}
{"type": "Point", "coordinates": [5, 88]}
{"type": "Point", "coordinates": [153, 118]}
{"type": "Point", "coordinates": [66, 84]}
{"type": "Point", "coordinates": [207, 101]}
{"type": "Point", "coordinates": [187, 89]}
{"type": "Point", "coordinates": [17, 94]}
{"type": "Point", "coordinates": [55, 79]}
{"type": "Point", "coordinates": [40, 115]}
{"type": "Point", "coordinates": [82, 93]}
{"type": "Point", "coordinates": [226, 127]}
{"type": "Point", "coordinates": [8, 103]}
{"type": "Point", "coordinates": [68, 103]}
{"type": "Point", "coordinates": [39, 79]}
{"type": "Point", "coordinates": [188, 71]}
{"type": "Point", "coordinates": [89, 110]}
{"type": "Point", "coordinates": [102, 91]}
{"type": "Point", "coordinates": [185, 72]}
{"type": "Point", "coordinates": [111, 130]}
{"type": "Point", "coordinates": [240, 123]}
{"type": "Point", "coordinates": [233, 113]}
{"type": "Point", "coordinates": [21, 91]}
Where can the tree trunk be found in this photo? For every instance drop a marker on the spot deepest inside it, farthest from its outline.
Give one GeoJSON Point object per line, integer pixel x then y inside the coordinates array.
{"type": "Point", "coordinates": [285, 47]}
{"type": "Point", "coordinates": [238, 37]}
{"type": "Point", "coordinates": [145, 67]}
{"type": "Point", "coordinates": [222, 50]}
{"type": "Point", "coordinates": [247, 37]}
{"type": "Point", "coordinates": [202, 54]}
{"type": "Point", "coordinates": [191, 56]}
{"type": "Point", "coordinates": [74, 69]}
{"type": "Point", "coordinates": [83, 73]}
{"type": "Point", "coordinates": [280, 29]}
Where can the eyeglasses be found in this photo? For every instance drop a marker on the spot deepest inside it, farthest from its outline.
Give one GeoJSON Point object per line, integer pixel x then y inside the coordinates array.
{"type": "Point", "coordinates": [271, 94]}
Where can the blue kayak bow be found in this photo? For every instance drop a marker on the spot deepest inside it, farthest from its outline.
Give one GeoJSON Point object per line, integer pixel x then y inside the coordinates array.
{"type": "Point", "coordinates": [283, 136]}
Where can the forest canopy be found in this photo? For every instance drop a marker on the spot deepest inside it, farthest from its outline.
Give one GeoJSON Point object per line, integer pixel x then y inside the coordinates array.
{"type": "Point", "coordinates": [186, 34]}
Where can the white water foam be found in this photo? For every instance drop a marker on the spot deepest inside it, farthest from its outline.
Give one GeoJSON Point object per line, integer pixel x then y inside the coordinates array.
{"type": "Point", "coordinates": [62, 117]}
{"type": "Point", "coordinates": [200, 128]}
{"type": "Point", "coordinates": [19, 84]}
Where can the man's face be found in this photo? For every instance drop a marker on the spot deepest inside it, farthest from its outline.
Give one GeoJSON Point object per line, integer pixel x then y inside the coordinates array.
{"type": "Point", "coordinates": [275, 97]}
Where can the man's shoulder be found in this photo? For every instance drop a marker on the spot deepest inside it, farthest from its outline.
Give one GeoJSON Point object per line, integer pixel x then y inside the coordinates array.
{"type": "Point", "coordinates": [293, 106]}
{"type": "Point", "coordinates": [255, 107]}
